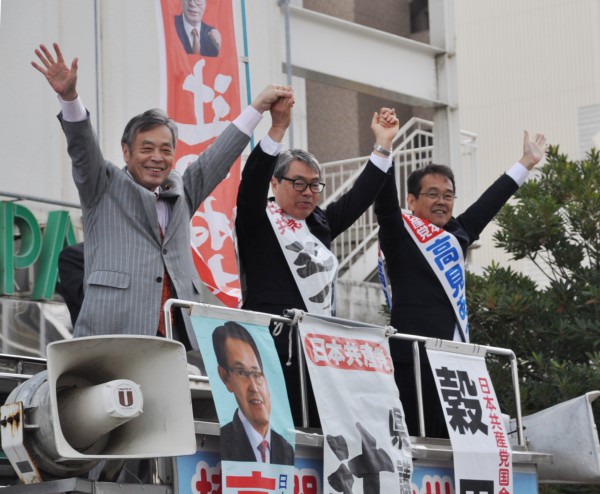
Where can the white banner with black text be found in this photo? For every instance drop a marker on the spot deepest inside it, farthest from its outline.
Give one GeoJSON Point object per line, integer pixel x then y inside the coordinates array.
{"type": "Point", "coordinates": [367, 447]}
{"type": "Point", "coordinates": [480, 445]}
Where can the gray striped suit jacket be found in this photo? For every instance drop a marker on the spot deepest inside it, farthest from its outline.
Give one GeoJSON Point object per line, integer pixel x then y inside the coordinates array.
{"type": "Point", "coordinates": [124, 255]}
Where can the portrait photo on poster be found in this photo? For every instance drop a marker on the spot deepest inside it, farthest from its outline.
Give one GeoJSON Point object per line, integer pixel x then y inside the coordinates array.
{"type": "Point", "coordinates": [249, 393]}
{"type": "Point", "coordinates": [196, 35]}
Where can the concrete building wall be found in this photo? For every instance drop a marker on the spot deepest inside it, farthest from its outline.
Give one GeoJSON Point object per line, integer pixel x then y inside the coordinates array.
{"type": "Point", "coordinates": [589, 128]}
{"type": "Point", "coordinates": [339, 119]}
{"type": "Point", "coordinates": [361, 302]}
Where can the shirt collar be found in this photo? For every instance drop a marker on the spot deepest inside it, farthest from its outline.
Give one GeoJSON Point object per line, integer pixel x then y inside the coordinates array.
{"type": "Point", "coordinates": [156, 191]}
{"type": "Point", "coordinates": [188, 27]}
{"type": "Point", "coordinates": [253, 436]}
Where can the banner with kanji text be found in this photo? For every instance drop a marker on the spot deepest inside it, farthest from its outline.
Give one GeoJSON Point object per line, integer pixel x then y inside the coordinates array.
{"type": "Point", "coordinates": [366, 444]}
{"type": "Point", "coordinates": [480, 444]}
{"type": "Point", "coordinates": [201, 93]}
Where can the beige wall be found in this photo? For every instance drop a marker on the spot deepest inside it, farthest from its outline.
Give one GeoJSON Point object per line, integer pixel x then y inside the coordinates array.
{"type": "Point", "coordinates": [524, 65]}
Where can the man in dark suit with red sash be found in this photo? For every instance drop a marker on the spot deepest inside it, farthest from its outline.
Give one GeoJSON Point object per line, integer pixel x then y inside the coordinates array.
{"type": "Point", "coordinates": [428, 294]}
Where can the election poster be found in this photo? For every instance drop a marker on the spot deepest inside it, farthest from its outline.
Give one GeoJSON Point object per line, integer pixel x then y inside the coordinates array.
{"type": "Point", "coordinates": [366, 444]}
{"type": "Point", "coordinates": [257, 437]}
{"type": "Point", "coordinates": [201, 92]}
{"type": "Point", "coordinates": [480, 444]}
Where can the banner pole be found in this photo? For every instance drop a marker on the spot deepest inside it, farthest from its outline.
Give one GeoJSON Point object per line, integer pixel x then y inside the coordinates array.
{"type": "Point", "coordinates": [246, 61]}
{"type": "Point", "coordinates": [302, 371]}
{"type": "Point", "coordinates": [288, 58]}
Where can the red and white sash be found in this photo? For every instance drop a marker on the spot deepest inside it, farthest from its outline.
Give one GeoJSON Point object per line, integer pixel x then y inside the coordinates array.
{"type": "Point", "coordinates": [313, 265]}
{"type": "Point", "coordinates": [444, 254]}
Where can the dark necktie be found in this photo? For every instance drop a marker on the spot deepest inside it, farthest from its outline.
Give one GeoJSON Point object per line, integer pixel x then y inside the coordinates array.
{"type": "Point", "coordinates": [196, 42]}
{"type": "Point", "coordinates": [262, 448]}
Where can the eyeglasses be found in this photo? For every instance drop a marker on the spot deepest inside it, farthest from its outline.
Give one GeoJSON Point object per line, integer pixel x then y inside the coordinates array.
{"type": "Point", "coordinates": [300, 185]}
{"type": "Point", "coordinates": [448, 197]}
{"type": "Point", "coordinates": [242, 373]}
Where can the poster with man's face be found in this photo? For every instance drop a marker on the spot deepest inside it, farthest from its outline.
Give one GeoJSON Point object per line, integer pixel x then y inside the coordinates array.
{"type": "Point", "coordinates": [248, 388]}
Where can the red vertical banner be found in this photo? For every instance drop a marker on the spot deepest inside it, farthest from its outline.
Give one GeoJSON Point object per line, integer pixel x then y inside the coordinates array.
{"type": "Point", "coordinates": [201, 93]}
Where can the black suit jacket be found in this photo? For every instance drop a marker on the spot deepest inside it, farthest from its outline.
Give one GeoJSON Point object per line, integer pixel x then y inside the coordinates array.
{"type": "Point", "coordinates": [419, 303]}
{"type": "Point", "coordinates": [235, 445]}
{"type": "Point", "coordinates": [269, 283]}
{"type": "Point", "coordinates": [207, 47]}
{"type": "Point", "coordinates": [70, 274]}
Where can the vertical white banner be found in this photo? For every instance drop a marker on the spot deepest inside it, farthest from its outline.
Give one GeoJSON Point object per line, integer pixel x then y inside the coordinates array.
{"type": "Point", "coordinates": [367, 447]}
{"type": "Point", "coordinates": [482, 453]}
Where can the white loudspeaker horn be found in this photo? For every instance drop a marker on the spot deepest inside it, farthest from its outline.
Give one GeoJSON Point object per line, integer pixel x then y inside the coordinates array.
{"type": "Point", "coordinates": [158, 366]}
{"type": "Point", "coordinates": [103, 397]}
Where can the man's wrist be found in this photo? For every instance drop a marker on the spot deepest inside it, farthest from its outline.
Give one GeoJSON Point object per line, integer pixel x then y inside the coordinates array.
{"type": "Point", "coordinates": [248, 120]}
{"type": "Point", "coordinates": [269, 146]}
{"type": "Point", "coordinates": [277, 133]}
{"type": "Point", "coordinates": [72, 111]}
{"type": "Point", "coordinates": [260, 107]}
{"type": "Point", "coordinates": [527, 162]}
{"type": "Point", "coordinates": [518, 172]}
{"type": "Point", "coordinates": [385, 150]}
{"type": "Point", "coordinates": [384, 163]}
{"type": "Point", "coordinates": [70, 96]}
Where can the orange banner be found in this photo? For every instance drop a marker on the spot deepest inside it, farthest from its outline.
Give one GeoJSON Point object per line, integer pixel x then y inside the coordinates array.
{"type": "Point", "coordinates": [201, 94]}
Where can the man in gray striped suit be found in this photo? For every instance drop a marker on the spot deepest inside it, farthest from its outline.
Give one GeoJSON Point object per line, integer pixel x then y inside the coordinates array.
{"type": "Point", "coordinates": [136, 219]}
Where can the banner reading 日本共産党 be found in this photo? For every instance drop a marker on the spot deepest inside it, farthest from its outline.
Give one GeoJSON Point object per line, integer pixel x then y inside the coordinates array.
{"type": "Point", "coordinates": [480, 445]}
{"type": "Point", "coordinates": [200, 92]}
{"type": "Point", "coordinates": [367, 447]}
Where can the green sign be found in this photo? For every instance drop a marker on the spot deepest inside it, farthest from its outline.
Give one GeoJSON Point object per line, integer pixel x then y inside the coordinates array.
{"type": "Point", "coordinates": [34, 249]}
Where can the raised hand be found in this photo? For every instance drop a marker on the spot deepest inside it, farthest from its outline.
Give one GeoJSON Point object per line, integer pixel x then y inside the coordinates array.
{"type": "Point", "coordinates": [533, 150]}
{"type": "Point", "coordinates": [60, 77]}
{"type": "Point", "coordinates": [281, 116]}
{"type": "Point", "coordinates": [270, 95]}
{"type": "Point", "coordinates": [384, 126]}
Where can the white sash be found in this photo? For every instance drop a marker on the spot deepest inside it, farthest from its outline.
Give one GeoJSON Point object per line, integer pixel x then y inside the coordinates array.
{"type": "Point", "coordinates": [313, 265]}
{"type": "Point", "coordinates": [444, 254]}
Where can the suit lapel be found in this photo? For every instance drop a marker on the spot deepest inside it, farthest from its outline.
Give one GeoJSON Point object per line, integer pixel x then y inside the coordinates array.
{"type": "Point", "coordinates": [244, 445]}
{"type": "Point", "coordinates": [149, 201]}
{"type": "Point", "coordinates": [171, 192]}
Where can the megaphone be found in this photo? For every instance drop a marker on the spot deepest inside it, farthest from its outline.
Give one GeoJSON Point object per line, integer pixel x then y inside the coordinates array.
{"type": "Point", "coordinates": [103, 397]}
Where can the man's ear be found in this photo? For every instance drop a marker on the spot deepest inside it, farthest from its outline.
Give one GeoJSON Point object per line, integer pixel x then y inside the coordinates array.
{"type": "Point", "coordinates": [126, 154]}
{"type": "Point", "coordinates": [224, 375]}
{"type": "Point", "coordinates": [410, 200]}
{"type": "Point", "coordinates": [274, 184]}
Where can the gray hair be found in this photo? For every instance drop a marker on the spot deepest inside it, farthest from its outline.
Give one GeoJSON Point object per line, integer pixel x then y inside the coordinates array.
{"type": "Point", "coordinates": [148, 120]}
{"type": "Point", "coordinates": [286, 157]}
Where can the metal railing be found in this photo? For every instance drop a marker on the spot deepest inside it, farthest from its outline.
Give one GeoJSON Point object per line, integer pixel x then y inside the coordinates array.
{"type": "Point", "coordinates": [412, 149]}
{"type": "Point", "coordinates": [292, 317]}
{"type": "Point", "coordinates": [42, 200]}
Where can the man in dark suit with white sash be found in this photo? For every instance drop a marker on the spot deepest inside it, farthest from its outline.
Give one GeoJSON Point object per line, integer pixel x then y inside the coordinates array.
{"type": "Point", "coordinates": [284, 242]}
{"type": "Point", "coordinates": [425, 253]}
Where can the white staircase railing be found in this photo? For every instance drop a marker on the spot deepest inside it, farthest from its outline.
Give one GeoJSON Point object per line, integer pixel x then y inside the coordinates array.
{"type": "Point", "coordinates": [356, 248]}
